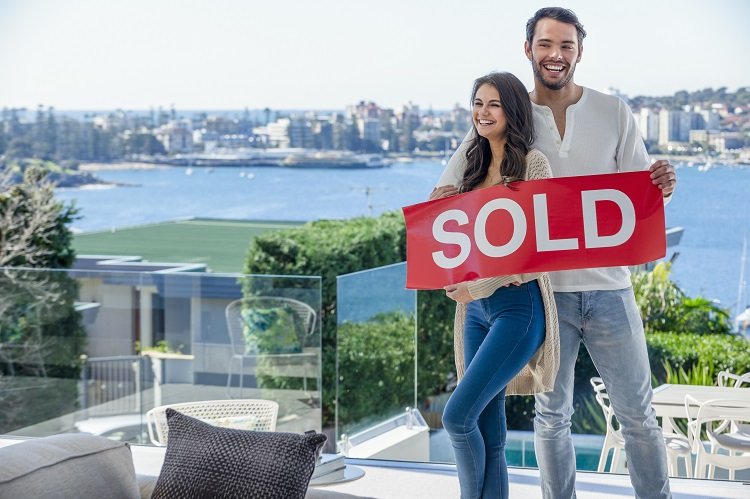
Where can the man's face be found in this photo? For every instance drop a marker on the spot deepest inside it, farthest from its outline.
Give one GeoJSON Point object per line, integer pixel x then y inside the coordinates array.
{"type": "Point", "coordinates": [554, 53]}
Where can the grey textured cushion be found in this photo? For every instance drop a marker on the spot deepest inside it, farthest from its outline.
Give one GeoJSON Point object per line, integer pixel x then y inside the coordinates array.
{"type": "Point", "coordinates": [69, 465]}
{"type": "Point", "coordinates": [205, 461]}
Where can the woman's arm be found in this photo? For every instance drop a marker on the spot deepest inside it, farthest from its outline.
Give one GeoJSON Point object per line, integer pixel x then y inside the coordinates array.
{"type": "Point", "coordinates": [537, 167]}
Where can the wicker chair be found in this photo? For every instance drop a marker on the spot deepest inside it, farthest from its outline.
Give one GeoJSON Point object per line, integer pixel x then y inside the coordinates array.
{"type": "Point", "coordinates": [305, 318]}
{"type": "Point", "coordinates": [247, 414]}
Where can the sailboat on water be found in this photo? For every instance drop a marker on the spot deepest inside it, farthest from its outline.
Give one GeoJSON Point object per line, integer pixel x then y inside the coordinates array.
{"type": "Point", "coordinates": [742, 318]}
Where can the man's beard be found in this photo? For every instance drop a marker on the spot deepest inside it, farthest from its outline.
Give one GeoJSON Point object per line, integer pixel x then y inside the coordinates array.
{"type": "Point", "coordinates": [536, 67]}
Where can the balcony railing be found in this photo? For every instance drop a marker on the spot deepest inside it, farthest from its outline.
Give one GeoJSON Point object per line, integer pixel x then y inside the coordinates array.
{"type": "Point", "coordinates": [92, 350]}
{"type": "Point", "coordinates": [85, 349]}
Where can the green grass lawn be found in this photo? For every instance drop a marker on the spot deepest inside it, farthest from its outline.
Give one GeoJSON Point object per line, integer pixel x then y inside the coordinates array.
{"type": "Point", "coordinates": [220, 244]}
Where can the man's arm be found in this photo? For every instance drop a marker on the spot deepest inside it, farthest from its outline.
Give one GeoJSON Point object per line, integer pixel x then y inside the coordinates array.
{"type": "Point", "coordinates": [632, 155]}
{"type": "Point", "coordinates": [454, 170]}
{"type": "Point", "coordinates": [453, 173]}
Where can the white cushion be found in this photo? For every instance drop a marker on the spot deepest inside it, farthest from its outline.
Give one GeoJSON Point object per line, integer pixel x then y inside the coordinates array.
{"type": "Point", "coordinates": [69, 465]}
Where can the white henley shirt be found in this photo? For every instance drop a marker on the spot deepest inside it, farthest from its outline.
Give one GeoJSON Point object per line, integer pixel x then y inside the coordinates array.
{"type": "Point", "coordinates": [601, 136]}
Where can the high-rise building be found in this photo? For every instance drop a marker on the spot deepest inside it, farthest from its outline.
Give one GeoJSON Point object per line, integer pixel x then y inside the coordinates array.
{"type": "Point", "coordinates": [648, 124]}
{"type": "Point", "coordinates": [278, 133]}
{"type": "Point", "coordinates": [711, 119]}
{"type": "Point", "coordinates": [322, 134]}
{"type": "Point", "coordinates": [300, 133]}
{"type": "Point", "coordinates": [674, 126]}
{"type": "Point", "coordinates": [369, 131]}
{"type": "Point", "coordinates": [176, 136]}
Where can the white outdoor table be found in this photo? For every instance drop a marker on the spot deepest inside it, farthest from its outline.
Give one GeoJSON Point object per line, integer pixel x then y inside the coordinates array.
{"type": "Point", "coordinates": [669, 400]}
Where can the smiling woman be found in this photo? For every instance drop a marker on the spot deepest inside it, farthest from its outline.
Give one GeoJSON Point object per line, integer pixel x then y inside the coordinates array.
{"type": "Point", "coordinates": [502, 132]}
{"type": "Point", "coordinates": [491, 357]}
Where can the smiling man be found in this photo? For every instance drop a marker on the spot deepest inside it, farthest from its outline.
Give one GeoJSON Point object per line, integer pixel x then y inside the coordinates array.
{"type": "Point", "coordinates": [585, 132]}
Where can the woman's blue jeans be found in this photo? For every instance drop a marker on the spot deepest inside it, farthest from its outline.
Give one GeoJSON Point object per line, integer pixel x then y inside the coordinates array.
{"type": "Point", "coordinates": [501, 334]}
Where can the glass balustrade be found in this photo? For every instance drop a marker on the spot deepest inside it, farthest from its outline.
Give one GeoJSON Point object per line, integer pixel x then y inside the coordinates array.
{"type": "Point", "coordinates": [376, 368]}
{"type": "Point", "coordinates": [94, 350]}
{"type": "Point", "coordinates": [395, 373]}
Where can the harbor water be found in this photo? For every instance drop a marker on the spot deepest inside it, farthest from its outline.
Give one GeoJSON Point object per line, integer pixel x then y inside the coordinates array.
{"type": "Point", "coordinates": [712, 205]}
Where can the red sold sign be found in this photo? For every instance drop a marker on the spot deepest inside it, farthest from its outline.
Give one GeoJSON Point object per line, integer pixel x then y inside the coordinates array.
{"type": "Point", "coordinates": [535, 226]}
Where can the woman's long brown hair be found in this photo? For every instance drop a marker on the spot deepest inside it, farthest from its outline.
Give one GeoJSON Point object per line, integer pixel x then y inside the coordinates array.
{"type": "Point", "coordinates": [519, 133]}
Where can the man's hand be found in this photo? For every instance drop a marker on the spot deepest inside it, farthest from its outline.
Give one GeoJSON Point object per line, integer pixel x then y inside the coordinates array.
{"type": "Point", "coordinates": [458, 292]}
{"type": "Point", "coordinates": [663, 176]}
{"type": "Point", "coordinates": [443, 192]}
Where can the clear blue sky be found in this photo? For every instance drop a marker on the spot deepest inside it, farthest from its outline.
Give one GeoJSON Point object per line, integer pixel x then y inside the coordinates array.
{"type": "Point", "coordinates": [325, 54]}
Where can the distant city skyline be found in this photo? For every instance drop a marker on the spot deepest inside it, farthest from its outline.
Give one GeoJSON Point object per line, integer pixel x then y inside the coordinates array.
{"type": "Point", "coordinates": [292, 54]}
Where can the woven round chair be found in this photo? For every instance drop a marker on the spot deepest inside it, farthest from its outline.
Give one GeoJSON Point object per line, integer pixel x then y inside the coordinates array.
{"type": "Point", "coordinates": [241, 414]}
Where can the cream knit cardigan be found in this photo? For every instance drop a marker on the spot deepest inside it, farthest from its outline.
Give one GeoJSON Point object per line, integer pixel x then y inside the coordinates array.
{"type": "Point", "coordinates": [539, 374]}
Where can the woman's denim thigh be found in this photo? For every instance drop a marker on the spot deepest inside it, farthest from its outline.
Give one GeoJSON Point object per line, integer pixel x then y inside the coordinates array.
{"type": "Point", "coordinates": [501, 334]}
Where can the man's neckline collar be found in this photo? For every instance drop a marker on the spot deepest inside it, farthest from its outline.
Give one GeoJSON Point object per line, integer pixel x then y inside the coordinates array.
{"type": "Point", "coordinates": [581, 99]}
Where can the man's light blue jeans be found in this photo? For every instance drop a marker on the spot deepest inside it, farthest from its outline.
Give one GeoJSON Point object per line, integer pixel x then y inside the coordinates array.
{"type": "Point", "coordinates": [609, 325]}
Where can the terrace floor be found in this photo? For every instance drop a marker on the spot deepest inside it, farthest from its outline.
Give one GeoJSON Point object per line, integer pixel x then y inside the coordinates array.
{"type": "Point", "coordinates": [399, 480]}
{"type": "Point", "coordinates": [382, 479]}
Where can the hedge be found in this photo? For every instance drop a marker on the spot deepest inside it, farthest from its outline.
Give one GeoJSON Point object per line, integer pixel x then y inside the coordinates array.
{"type": "Point", "coordinates": [332, 248]}
{"type": "Point", "coordinates": [329, 248]}
{"type": "Point", "coordinates": [724, 351]}
{"type": "Point", "coordinates": [376, 369]}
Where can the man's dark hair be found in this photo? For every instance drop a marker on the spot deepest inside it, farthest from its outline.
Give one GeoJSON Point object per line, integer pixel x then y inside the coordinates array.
{"type": "Point", "coordinates": [560, 14]}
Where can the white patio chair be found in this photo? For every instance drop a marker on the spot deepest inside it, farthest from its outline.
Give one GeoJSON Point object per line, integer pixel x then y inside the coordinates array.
{"type": "Point", "coordinates": [613, 439]}
{"type": "Point", "coordinates": [726, 378]}
{"type": "Point", "coordinates": [247, 414]}
{"type": "Point", "coordinates": [677, 445]}
{"type": "Point", "coordinates": [729, 379]}
{"type": "Point", "coordinates": [237, 322]}
{"type": "Point", "coordinates": [723, 422]}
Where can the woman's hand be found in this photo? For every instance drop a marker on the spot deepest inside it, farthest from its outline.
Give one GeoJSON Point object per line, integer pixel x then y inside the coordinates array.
{"type": "Point", "coordinates": [443, 192]}
{"type": "Point", "coordinates": [458, 292]}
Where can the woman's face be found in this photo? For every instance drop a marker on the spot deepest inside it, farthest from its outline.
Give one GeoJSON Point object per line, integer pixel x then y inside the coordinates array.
{"type": "Point", "coordinates": [488, 114]}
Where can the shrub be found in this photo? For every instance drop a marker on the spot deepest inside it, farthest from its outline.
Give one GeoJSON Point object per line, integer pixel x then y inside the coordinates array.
{"type": "Point", "coordinates": [665, 307]}
{"type": "Point", "coordinates": [436, 366]}
{"type": "Point", "coordinates": [680, 350]}
{"type": "Point", "coordinates": [376, 369]}
{"type": "Point", "coordinates": [328, 248]}
{"type": "Point", "coordinates": [702, 373]}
